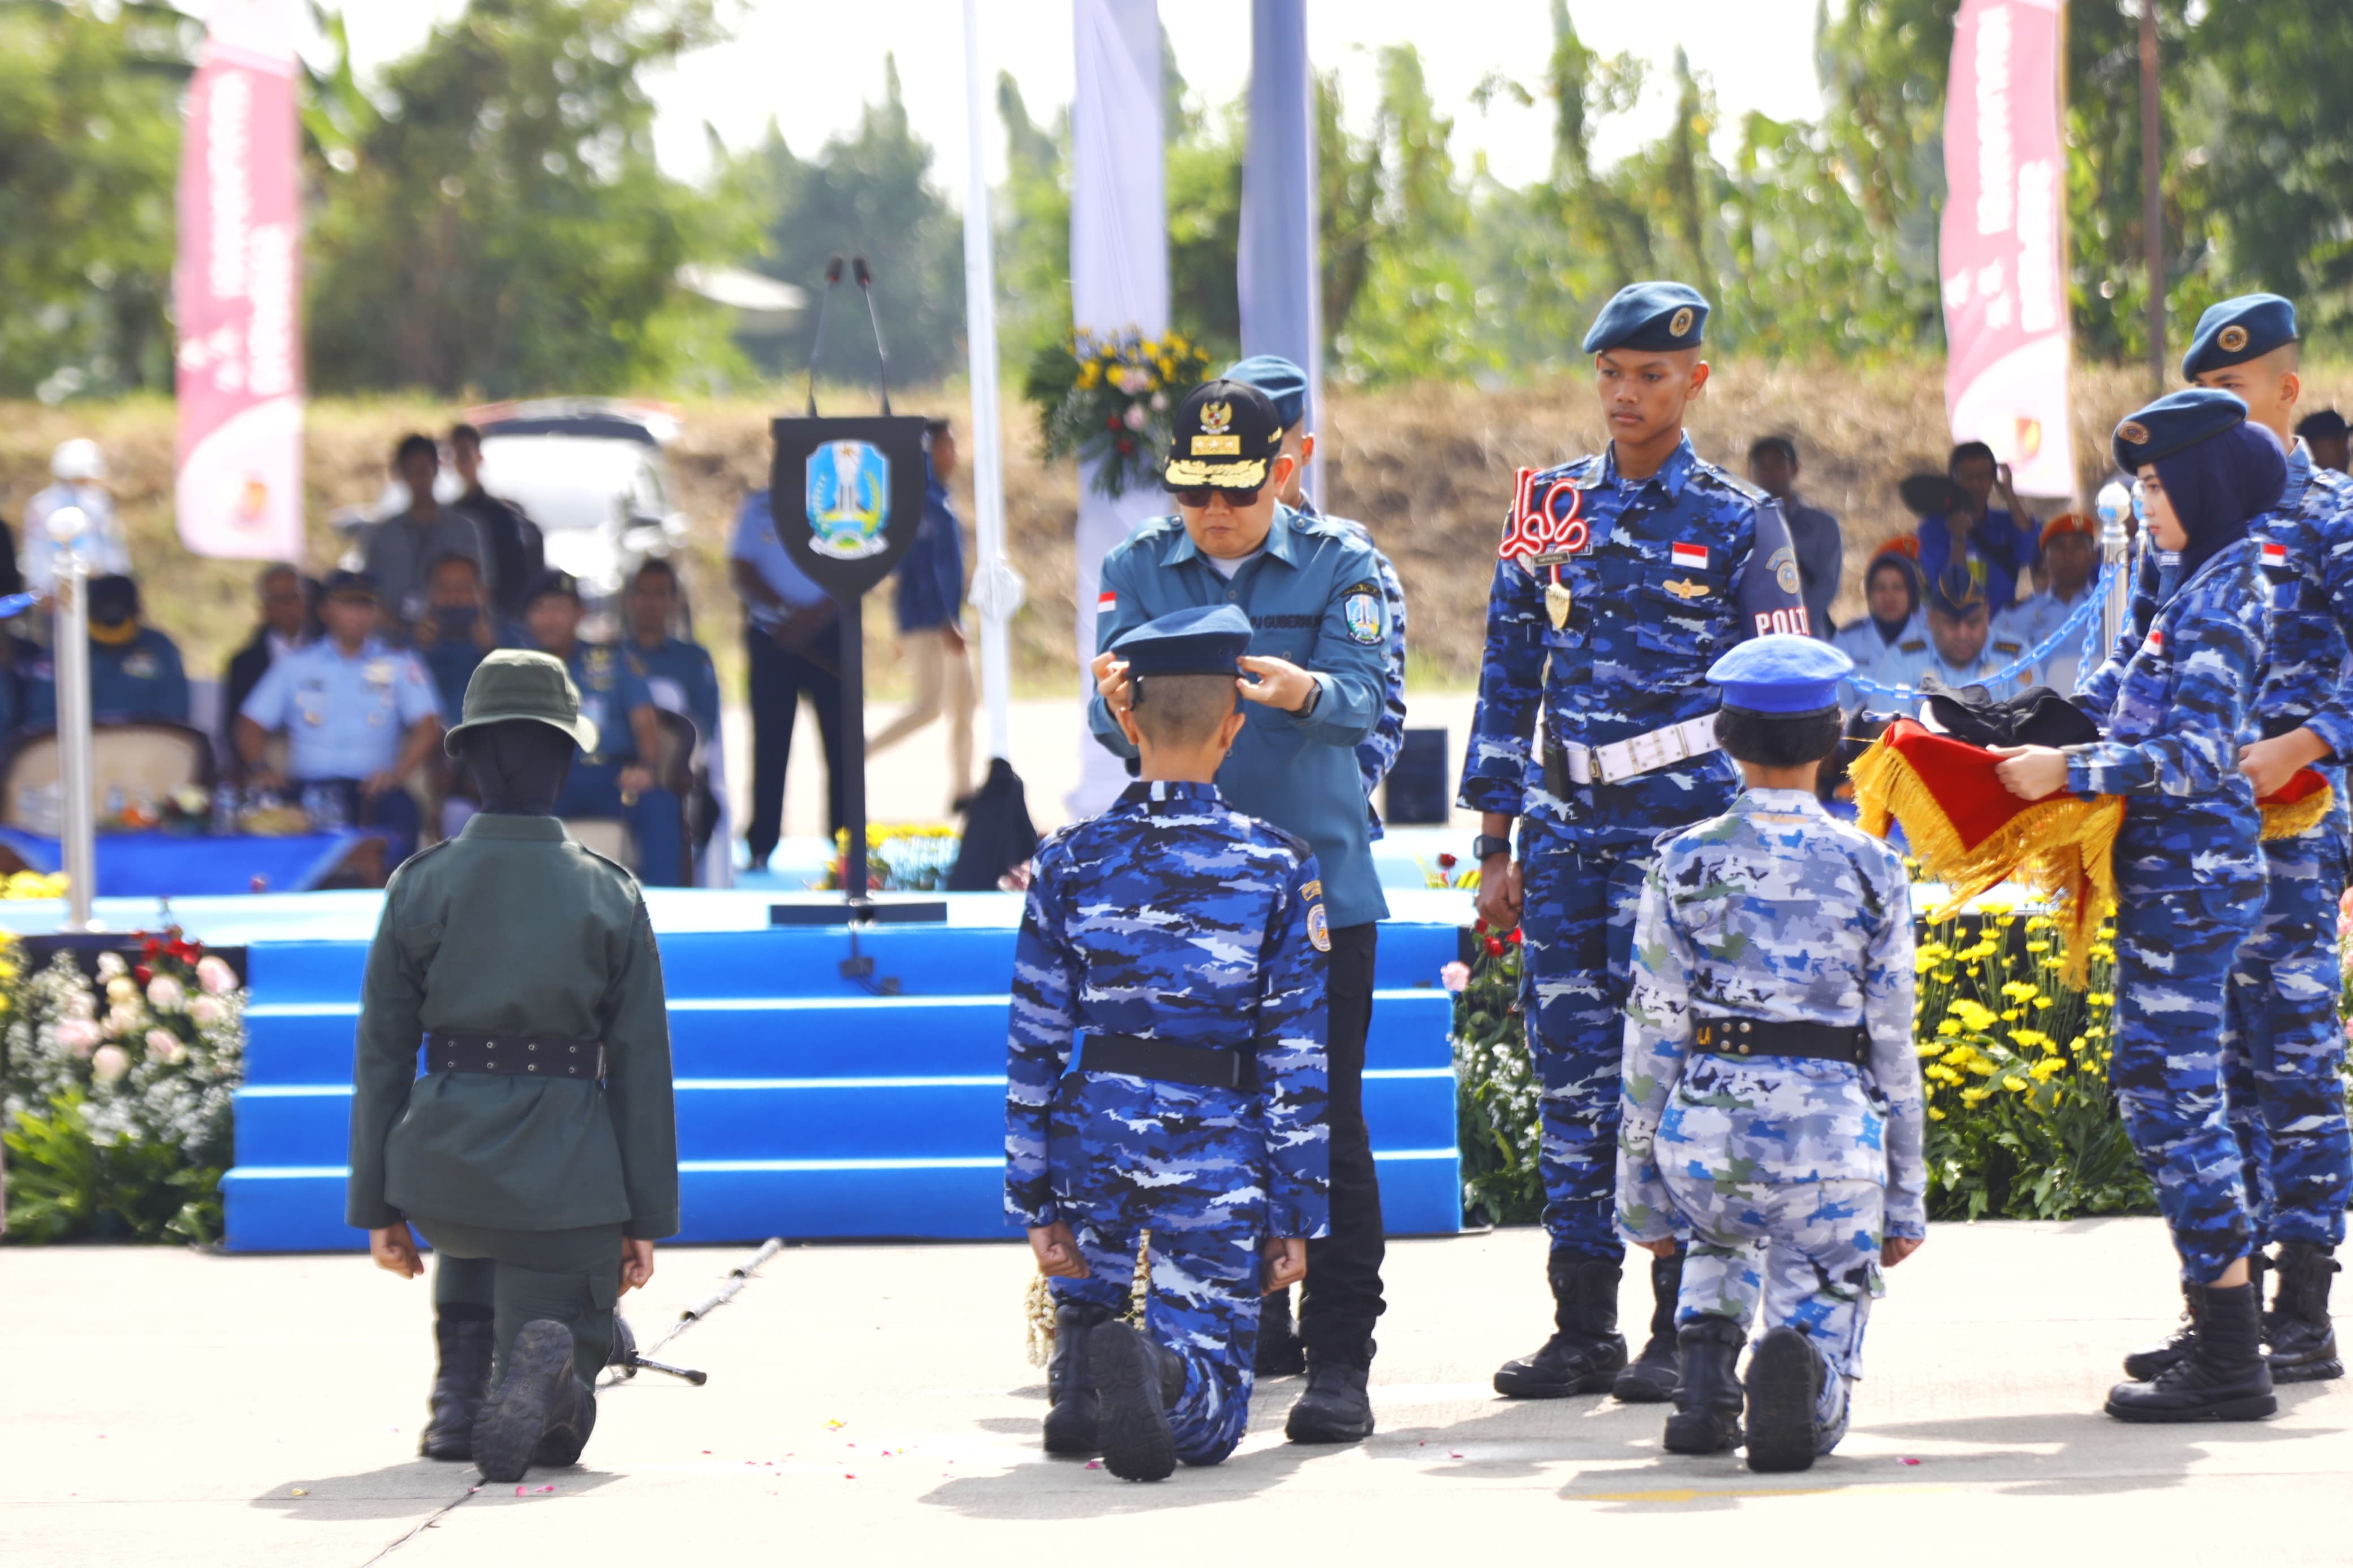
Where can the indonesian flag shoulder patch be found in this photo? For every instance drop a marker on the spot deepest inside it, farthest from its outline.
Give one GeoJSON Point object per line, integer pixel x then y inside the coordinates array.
{"type": "Point", "coordinates": [1691, 557]}
{"type": "Point", "coordinates": [1107, 603]}
{"type": "Point", "coordinates": [2275, 552]}
{"type": "Point", "coordinates": [2155, 639]}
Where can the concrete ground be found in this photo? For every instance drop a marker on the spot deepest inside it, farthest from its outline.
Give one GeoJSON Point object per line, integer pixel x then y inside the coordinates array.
{"type": "Point", "coordinates": [872, 1404]}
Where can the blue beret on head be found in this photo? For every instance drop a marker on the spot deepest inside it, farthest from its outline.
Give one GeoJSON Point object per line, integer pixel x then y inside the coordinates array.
{"type": "Point", "coordinates": [1781, 674]}
{"type": "Point", "coordinates": [2176, 420]}
{"type": "Point", "coordinates": [1284, 384]}
{"type": "Point", "coordinates": [1649, 316]}
{"type": "Point", "coordinates": [1204, 641]}
{"type": "Point", "coordinates": [1956, 591]}
{"type": "Point", "coordinates": [2237, 331]}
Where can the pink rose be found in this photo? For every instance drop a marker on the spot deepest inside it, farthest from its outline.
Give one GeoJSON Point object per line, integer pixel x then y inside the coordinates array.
{"type": "Point", "coordinates": [164, 1047]}
{"type": "Point", "coordinates": [1134, 416]}
{"type": "Point", "coordinates": [216, 977]}
{"type": "Point", "coordinates": [108, 1064]}
{"type": "Point", "coordinates": [206, 1012]}
{"type": "Point", "coordinates": [79, 1035]}
{"type": "Point", "coordinates": [1455, 977]}
{"type": "Point", "coordinates": [164, 993]}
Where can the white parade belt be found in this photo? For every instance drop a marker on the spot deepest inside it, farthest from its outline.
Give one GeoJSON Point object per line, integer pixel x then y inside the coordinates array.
{"type": "Point", "coordinates": [1636, 754]}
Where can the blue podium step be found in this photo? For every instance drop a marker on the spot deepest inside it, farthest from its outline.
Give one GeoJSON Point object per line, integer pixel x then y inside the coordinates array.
{"type": "Point", "coordinates": [807, 1105]}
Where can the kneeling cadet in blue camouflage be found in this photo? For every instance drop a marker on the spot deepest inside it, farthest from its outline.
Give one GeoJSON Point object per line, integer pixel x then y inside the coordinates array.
{"type": "Point", "coordinates": [1622, 578]}
{"type": "Point", "coordinates": [2173, 699]}
{"type": "Point", "coordinates": [1771, 1093]}
{"type": "Point", "coordinates": [2283, 1051]}
{"type": "Point", "coordinates": [1165, 1072]}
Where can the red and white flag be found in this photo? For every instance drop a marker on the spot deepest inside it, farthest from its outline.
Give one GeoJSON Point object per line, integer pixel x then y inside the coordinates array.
{"type": "Point", "coordinates": [236, 289]}
{"type": "Point", "coordinates": [2001, 256]}
{"type": "Point", "coordinates": [1691, 557]}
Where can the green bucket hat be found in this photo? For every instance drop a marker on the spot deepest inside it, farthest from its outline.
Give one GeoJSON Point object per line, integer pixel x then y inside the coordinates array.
{"type": "Point", "coordinates": [511, 684]}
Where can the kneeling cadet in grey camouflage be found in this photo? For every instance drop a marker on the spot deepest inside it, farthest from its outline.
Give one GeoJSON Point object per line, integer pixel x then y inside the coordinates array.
{"type": "Point", "coordinates": [1771, 1098]}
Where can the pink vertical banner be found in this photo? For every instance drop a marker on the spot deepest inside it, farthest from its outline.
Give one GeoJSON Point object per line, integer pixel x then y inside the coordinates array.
{"type": "Point", "coordinates": [237, 290]}
{"type": "Point", "coordinates": [2002, 256]}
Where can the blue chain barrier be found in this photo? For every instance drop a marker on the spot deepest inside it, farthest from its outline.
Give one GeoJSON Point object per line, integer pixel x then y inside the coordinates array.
{"type": "Point", "coordinates": [2084, 617]}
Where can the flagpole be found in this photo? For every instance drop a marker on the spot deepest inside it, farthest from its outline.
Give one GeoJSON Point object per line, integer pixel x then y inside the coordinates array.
{"type": "Point", "coordinates": [997, 588]}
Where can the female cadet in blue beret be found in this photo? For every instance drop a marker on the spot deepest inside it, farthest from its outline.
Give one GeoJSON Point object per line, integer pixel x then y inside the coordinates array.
{"type": "Point", "coordinates": [2172, 698]}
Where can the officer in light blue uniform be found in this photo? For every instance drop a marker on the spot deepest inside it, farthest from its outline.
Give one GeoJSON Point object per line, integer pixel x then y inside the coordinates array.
{"type": "Point", "coordinates": [1620, 579]}
{"type": "Point", "coordinates": [134, 669]}
{"type": "Point", "coordinates": [359, 716]}
{"type": "Point", "coordinates": [1285, 385]}
{"type": "Point", "coordinates": [1958, 646]}
{"type": "Point", "coordinates": [617, 780]}
{"type": "Point", "coordinates": [1772, 1100]}
{"type": "Point", "coordinates": [1166, 1071]}
{"type": "Point", "coordinates": [1892, 592]}
{"type": "Point", "coordinates": [1318, 672]}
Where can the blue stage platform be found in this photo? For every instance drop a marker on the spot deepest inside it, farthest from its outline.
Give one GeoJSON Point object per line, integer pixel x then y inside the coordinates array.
{"type": "Point", "coordinates": [808, 1106]}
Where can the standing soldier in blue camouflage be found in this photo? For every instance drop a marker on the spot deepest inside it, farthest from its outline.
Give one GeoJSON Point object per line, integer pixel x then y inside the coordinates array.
{"type": "Point", "coordinates": [1279, 1352]}
{"type": "Point", "coordinates": [2283, 1051]}
{"type": "Point", "coordinates": [1167, 1072]}
{"type": "Point", "coordinates": [2173, 699]}
{"type": "Point", "coordinates": [1622, 577]}
{"type": "Point", "coordinates": [1771, 1094]}
{"type": "Point", "coordinates": [1318, 662]}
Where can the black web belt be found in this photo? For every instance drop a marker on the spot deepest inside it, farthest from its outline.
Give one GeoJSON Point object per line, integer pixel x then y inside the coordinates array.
{"type": "Point", "coordinates": [516, 1055]}
{"type": "Point", "coordinates": [1757, 1038]}
{"type": "Point", "coordinates": [1203, 1067]}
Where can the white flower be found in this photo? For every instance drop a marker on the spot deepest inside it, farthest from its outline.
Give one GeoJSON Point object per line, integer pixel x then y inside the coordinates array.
{"type": "Point", "coordinates": [78, 1035]}
{"type": "Point", "coordinates": [122, 989]}
{"type": "Point", "coordinates": [216, 977]}
{"type": "Point", "coordinates": [108, 1064]}
{"type": "Point", "coordinates": [81, 1004]}
{"type": "Point", "coordinates": [1455, 977]}
{"type": "Point", "coordinates": [121, 1021]}
{"type": "Point", "coordinates": [1131, 380]}
{"type": "Point", "coordinates": [1159, 402]}
{"type": "Point", "coordinates": [110, 965]}
{"type": "Point", "coordinates": [1133, 417]}
{"type": "Point", "coordinates": [162, 1045]}
{"type": "Point", "coordinates": [165, 994]}
{"type": "Point", "coordinates": [206, 1012]}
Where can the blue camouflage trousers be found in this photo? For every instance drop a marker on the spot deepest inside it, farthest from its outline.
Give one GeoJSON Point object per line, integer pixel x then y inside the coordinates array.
{"type": "Point", "coordinates": [1807, 1250]}
{"type": "Point", "coordinates": [1578, 924]}
{"type": "Point", "coordinates": [2283, 1051]}
{"type": "Point", "coordinates": [2175, 946]}
{"type": "Point", "coordinates": [1201, 1190]}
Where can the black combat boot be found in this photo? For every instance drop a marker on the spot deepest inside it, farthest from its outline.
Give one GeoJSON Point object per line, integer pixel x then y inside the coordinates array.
{"type": "Point", "coordinates": [463, 1380]}
{"type": "Point", "coordinates": [1070, 1379]}
{"type": "Point", "coordinates": [1785, 1400]}
{"type": "Point", "coordinates": [1336, 1407]}
{"type": "Point", "coordinates": [1707, 1395]}
{"type": "Point", "coordinates": [2302, 1341]}
{"type": "Point", "coordinates": [1652, 1379]}
{"type": "Point", "coordinates": [1585, 1353]}
{"type": "Point", "coordinates": [2222, 1378]}
{"type": "Point", "coordinates": [2143, 1365]}
{"type": "Point", "coordinates": [571, 1418]}
{"type": "Point", "coordinates": [538, 1389]}
{"type": "Point", "coordinates": [1279, 1352]}
{"type": "Point", "coordinates": [1136, 1381]}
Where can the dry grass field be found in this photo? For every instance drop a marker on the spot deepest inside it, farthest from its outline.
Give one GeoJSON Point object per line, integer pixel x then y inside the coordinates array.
{"type": "Point", "coordinates": [1429, 468]}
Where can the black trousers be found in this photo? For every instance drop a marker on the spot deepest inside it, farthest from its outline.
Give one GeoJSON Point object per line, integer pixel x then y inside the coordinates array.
{"type": "Point", "coordinates": [1342, 1296]}
{"type": "Point", "coordinates": [779, 677]}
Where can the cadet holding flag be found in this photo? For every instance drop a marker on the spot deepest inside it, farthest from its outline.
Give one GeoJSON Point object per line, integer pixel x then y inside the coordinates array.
{"type": "Point", "coordinates": [1317, 671]}
{"type": "Point", "coordinates": [1166, 1071]}
{"type": "Point", "coordinates": [1771, 1093]}
{"type": "Point", "coordinates": [1622, 578]}
{"type": "Point", "coordinates": [2173, 699]}
{"type": "Point", "coordinates": [2283, 1051]}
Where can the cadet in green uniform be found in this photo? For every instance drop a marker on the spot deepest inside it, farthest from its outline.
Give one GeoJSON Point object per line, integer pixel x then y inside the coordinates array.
{"type": "Point", "coordinates": [542, 1137]}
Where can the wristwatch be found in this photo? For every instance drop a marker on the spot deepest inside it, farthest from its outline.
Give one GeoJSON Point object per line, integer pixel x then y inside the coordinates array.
{"type": "Point", "coordinates": [1486, 845]}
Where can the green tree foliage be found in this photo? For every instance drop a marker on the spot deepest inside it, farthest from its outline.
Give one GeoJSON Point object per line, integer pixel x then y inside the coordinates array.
{"type": "Point", "coordinates": [90, 148]}
{"type": "Point", "coordinates": [867, 193]}
{"type": "Point", "coordinates": [496, 221]}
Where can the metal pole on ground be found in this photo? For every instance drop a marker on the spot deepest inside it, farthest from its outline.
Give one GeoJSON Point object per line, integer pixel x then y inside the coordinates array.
{"type": "Point", "coordinates": [77, 825]}
{"type": "Point", "coordinates": [997, 588]}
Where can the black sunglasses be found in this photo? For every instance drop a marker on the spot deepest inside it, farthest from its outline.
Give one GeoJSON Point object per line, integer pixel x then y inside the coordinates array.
{"type": "Point", "coordinates": [1197, 500]}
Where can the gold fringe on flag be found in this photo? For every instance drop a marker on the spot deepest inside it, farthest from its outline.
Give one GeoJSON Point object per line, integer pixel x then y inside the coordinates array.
{"type": "Point", "coordinates": [2061, 846]}
{"type": "Point", "coordinates": [2294, 818]}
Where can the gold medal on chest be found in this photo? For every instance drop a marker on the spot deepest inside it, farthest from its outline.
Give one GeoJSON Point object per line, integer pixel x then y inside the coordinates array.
{"type": "Point", "coordinates": [1556, 602]}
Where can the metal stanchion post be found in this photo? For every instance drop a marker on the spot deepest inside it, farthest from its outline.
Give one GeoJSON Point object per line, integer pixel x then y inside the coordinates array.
{"type": "Point", "coordinates": [2114, 505]}
{"type": "Point", "coordinates": [78, 828]}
